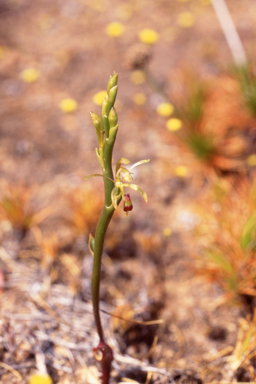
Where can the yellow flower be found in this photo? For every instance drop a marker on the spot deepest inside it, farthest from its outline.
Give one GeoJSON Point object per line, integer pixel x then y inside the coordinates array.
{"type": "Point", "coordinates": [186, 19]}
{"type": "Point", "coordinates": [169, 34]}
{"type": "Point", "coordinates": [148, 36]}
{"type": "Point", "coordinates": [174, 124]}
{"type": "Point", "coordinates": [45, 22]}
{"type": "Point", "coordinates": [68, 105]}
{"type": "Point", "coordinates": [181, 171]}
{"type": "Point", "coordinates": [98, 97]}
{"type": "Point", "coordinates": [29, 75]}
{"type": "Point", "coordinates": [139, 98]}
{"type": "Point", "coordinates": [40, 379]}
{"type": "Point", "coordinates": [205, 2]}
{"type": "Point", "coordinates": [124, 11]}
{"type": "Point", "coordinates": [138, 77]}
{"type": "Point", "coordinates": [165, 109]}
{"type": "Point", "coordinates": [2, 51]}
{"type": "Point", "coordinates": [251, 160]}
{"type": "Point", "coordinates": [167, 232]}
{"type": "Point", "coordinates": [98, 5]}
{"type": "Point", "coordinates": [115, 29]}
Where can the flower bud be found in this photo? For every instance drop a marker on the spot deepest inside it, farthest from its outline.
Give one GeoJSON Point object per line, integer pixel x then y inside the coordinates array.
{"type": "Point", "coordinates": [112, 118]}
{"type": "Point", "coordinates": [112, 97]}
{"type": "Point", "coordinates": [127, 203]}
{"type": "Point", "coordinates": [105, 107]}
{"type": "Point", "coordinates": [112, 81]}
{"type": "Point", "coordinates": [105, 112]}
{"type": "Point", "coordinates": [99, 127]}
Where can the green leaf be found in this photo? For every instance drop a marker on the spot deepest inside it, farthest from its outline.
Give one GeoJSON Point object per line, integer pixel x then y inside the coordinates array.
{"type": "Point", "coordinates": [201, 145]}
{"type": "Point", "coordinates": [249, 233]}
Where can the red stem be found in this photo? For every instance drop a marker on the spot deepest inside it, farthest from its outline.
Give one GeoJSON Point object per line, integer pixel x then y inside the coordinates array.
{"type": "Point", "coordinates": [103, 353]}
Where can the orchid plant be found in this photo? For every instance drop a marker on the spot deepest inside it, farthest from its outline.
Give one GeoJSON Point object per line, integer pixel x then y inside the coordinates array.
{"type": "Point", "coordinates": [123, 177]}
{"type": "Point", "coordinates": [106, 129]}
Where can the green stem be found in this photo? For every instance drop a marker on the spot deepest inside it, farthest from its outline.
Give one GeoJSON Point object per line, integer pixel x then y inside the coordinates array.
{"type": "Point", "coordinates": [104, 220]}
{"type": "Point", "coordinates": [101, 229]}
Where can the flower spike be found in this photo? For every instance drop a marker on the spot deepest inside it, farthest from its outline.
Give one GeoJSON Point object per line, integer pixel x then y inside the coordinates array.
{"type": "Point", "coordinates": [106, 127]}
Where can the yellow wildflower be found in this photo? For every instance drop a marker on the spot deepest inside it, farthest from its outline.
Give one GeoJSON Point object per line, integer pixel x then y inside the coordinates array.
{"type": "Point", "coordinates": [148, 36]}
{"type": "Point", "coordinates": [251, 160]}
{"type": "Point", "coordinates": [98, 97]}
{"type": "Point", "coordinates": [98, 5]}
{"type": "Point", "coordinates": [186, 19]}
{"type": "Point", "coordinates": [167, 232]}
{"type": "Point", "coordinates": [169, 34]}
{"type": "Point", "coordinates": [174, 124]}
{"type": "Point", "coordinates": [205, 2]}
{"type": "Point", "coordinates": [139, 98]}
{"type": "Point", "coordinates": [2, 51]}
{"type": "Point", "coordinates": [181, 171]}
{"type": "Point", "coordinates": [138, 77]}
{"type": "Point", "coordinates": [45, 22]}
{"type": "Point", "coordinates": [124, 11]}
{"type": "Point", "coordinates": [68, 105]}
{"type": "Point", "coordinates": [165, 109]}
{"type": "Point", "coordinates": [115, 29]}
{"type": "Point", "coordinates": [30, 75]}
{"type": "Point", "coordinates": [40, 379]}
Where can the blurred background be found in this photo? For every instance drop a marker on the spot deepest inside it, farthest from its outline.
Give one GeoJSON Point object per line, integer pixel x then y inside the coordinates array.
{"type": "Point", "coordinates": [187, 102]}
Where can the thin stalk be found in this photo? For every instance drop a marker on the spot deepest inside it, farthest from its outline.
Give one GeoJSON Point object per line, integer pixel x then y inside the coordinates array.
{"type": "Point", "coordinates": [101, 230]}
{"type": "Point", "coordinates": [102, 226]}
{"type": "Point", "coordinates": [106, 129]}
{"type": "Point", "coordinates": [230, 32]}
